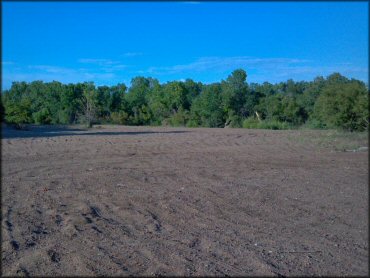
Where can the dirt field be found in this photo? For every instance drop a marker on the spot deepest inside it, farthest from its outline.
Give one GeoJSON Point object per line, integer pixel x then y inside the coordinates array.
{"type": "Point", "coordinates": [176, 201]}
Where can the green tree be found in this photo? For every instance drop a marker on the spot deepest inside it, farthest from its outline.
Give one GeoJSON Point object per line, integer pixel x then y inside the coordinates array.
{"type": "Point", "coordinates": [19, 113]}
{"type": "Point", "coordinates": [334, 102]}
{"type": "Point", "coordinates": [343, 105]}
{"type": "Point", "coordinates": [193, 90]}
{"type": "Point", "coordinates": [207, 108]}
{"type": "Point", "coordinates": [70, 103]}
{"type": "Point", "coordinates": [103, 102]}
{"type": "Point", "coordinates": [117, 100]}
{"type": "Point", "coordinates": [89, 103]}
{"type": "Point", "coordinates": [234, 91]}
{"type": "Point", "coordinates": [174, 94]}
{"type": "Point", "coordinates": [137, 100]}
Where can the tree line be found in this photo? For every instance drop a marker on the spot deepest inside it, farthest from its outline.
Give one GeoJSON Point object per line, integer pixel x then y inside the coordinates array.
{"type": "Point", "coordinates": [331, 102]}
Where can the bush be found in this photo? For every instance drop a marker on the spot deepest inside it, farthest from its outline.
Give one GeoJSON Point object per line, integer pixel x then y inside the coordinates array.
{"type": "Point", "coordinates": [252, 122]}
{"type": "Point", "coordinates": [119, 117]}
{"type": "Point", "coordinates": [42, 117]}
{"type": "Point", "coordinates": [18, 113]}
{"type": "Point", "coordinates": [343, 106]}
{"type": "Point", "coordinates": [314, 124]}
{"type": "Point", "coordinates": [235, 121]}
{"type": "Point", "coordinates": [274, 124]}
{"type": "Point", "coordinates": [192, 123]}
{"type": "Point", "coordinates": [179, 119]}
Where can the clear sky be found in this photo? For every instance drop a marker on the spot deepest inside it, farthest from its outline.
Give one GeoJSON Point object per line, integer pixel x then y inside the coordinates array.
{"type": "Point", "coordinates": [110, 43]}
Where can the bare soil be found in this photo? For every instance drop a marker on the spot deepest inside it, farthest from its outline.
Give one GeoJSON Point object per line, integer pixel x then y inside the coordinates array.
{"type": "Point", "coordinates": [177, 201]}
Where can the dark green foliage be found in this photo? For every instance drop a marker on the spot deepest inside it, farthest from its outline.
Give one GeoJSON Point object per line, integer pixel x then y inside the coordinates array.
{"type": "Point", "coordinates": [343, 105]}
{"type": "Point", "coordinates": [2, 109]}
{"type": "Point", "coordinates": [117, 99]}
{"type": "Point", "coordinates": [180, 118]}
{"type": "Point", "coordinates": [42, 116]}
{"type": "Point", "coordinates": [89, 104]}
{"type": "Point", "coordinates": [332, 102]}
{"type": "Point", "coordinates": [206, 109]}
{"type": "Point", "coordinates": [234, 91]}
{"type": "Point", "coordinates": [18, 112]}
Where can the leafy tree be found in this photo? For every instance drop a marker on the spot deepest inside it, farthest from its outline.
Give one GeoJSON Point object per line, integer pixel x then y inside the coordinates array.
{"type": "Point", "coordinates": [137, 100]}
{"type": "Point", "coordinates": [42, 116]}
{"type": "Point", "coordinates": [251, 101]}
{"type": "Point", "coordinates": [174, 94]}
{"type": "Point", "coordinates": [19, 113]}
{"type": "Point", "coordinates": [70, 103]}
{"type": "Point", "coordinates": [343, 105]}
{"type": "Point", "coordinates": [103, 101]}
{"type": "Point", "coordinates": [193, 90]}
{"type": "Point", "coordinates": [207, 108]}
{"type": "Point", "coordinates": [332, 102]}
{"type": "Point", "coordinates": [158, 105]}
{"type": "Point", "coordinates": [136, 96]}
{"type": "Point", "coordinates": [2, 109]}
{"type": "Point", "coordinates": [89, 103]}
{"type": "Point", "coordinates": [117, 98]}
{"type": "Point", "coordinates": [234, 91]}
{"type": "Point", "coordinates": [336, 78]}
{"type": "Point", "coordinates": [309, 96]}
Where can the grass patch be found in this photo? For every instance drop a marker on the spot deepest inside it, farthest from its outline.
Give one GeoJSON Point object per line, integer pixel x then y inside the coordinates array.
{"type": "Point", "coordinates": [336, 140]}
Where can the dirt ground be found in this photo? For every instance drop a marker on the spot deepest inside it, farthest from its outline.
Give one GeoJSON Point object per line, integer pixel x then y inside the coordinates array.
{"type": "Point", "coordinates": [177, 201]}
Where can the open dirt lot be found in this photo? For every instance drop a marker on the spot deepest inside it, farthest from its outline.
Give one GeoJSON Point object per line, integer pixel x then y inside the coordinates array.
{"type": "Point", "coordinates": [176, 201]}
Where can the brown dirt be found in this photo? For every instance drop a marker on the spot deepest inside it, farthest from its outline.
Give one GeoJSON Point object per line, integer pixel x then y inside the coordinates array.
{"type": "Point", "coordinates": [176, 201]}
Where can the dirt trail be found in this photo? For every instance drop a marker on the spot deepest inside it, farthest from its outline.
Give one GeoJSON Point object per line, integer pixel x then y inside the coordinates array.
{"type": "Point", "coordinates": [172, 201]}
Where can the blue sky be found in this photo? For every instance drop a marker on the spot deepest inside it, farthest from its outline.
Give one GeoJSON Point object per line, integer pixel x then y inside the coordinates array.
{"type": "Point", "coordinates": [110, 43]}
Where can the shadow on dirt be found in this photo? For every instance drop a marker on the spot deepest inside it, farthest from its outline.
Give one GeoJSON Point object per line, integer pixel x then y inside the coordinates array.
{"type": "Point", "coordinates": [55, 131]}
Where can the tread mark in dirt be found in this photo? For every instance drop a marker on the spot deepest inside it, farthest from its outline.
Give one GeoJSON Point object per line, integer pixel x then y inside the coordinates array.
{"type": "Point", "coordinates": [95, 212]}
{"type": "Point", "coordinates": [125, 229]}
{"type": "Point", "coordinates": [88, 220]}
{"type": "Point", "coordinates": [278, 274]}
{"type": "Point", "coordinates": [40, 230]}
{"type": "Point", "coordinates": [158, 225]}
{"type": "Point", "coordinates": [9, 225]}
{"type": "Point", "coordinates": [54, 256]}
{"type": "Point", "coordinates": [15, 245]}
{"type": "Point", "coordinates": [194, 243]}
{"type": "Point", "coordinates": [24, 271]}
{"type": "Point", "coordinates": [113, 259]}
{"type": "Point", "coordinates": [30, 243]}
{"type": "Point", "coordinates": [8, 222]}
{"type": "Point", "coordinates": [58, 219]}
{"type": "Point", "coordinates": [96, 229]}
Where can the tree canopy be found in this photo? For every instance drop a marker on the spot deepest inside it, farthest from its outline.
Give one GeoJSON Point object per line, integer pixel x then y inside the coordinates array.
{"type": "Point", "coordinates": [331, 102]}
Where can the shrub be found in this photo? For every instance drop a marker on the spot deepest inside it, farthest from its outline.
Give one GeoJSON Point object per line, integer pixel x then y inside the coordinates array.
{"type": "Point", "coordinates": [42, 117]}
{"type": "Point", "coordinates": [18, 113]}
{"type": "Point", "coordinates": [119, 117]}
{"type": "Point", "coordinates": [314, 123]}
{"type": "Point", "coordinates": [235, 121]}
{"type": "Point", "coordinates": [192, 123]}
{"type": "Point", "coordinates": [252, 122]}
{"type": "Point", "coordinates": [274, 124]}
{"type": "Point", "coordinates": [343, 106]}
{"type": "Point", "coordinates": [179, 118]}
